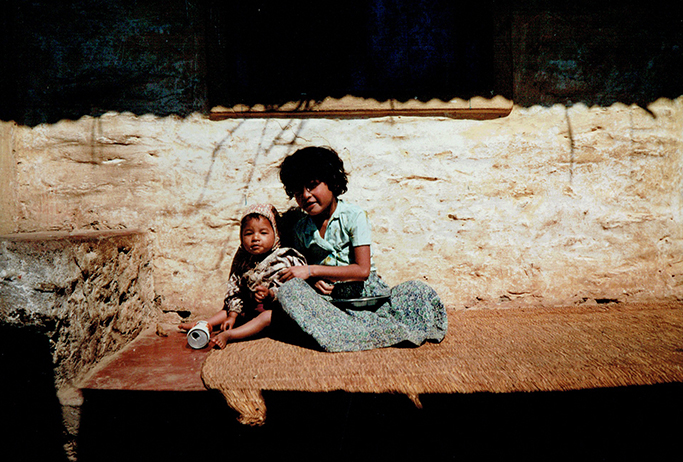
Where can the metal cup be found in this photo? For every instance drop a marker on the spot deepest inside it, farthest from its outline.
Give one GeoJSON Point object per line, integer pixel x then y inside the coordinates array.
{"type": "Point", "coordinates": [198, 337]}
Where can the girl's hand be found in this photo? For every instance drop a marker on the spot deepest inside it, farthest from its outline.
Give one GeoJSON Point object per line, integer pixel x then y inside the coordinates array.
{"type": "Point", "coordinates": [324, 287]}
{"type": "Point", "coordinates": [358, 271]}
{"type": "Point", "coordinates": [263, 293]}
{"type": "Point", "coordinates": [292, 272]}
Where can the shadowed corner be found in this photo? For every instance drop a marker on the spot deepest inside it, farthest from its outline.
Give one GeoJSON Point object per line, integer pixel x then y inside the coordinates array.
{"type": "Point", "coordinates": [31, 412]}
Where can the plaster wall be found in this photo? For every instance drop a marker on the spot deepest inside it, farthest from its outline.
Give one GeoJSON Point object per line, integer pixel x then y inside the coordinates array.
{"type": "Point", "coordinates": [7, 178]}
{"type": "Point", "coordinates": [548, 206]}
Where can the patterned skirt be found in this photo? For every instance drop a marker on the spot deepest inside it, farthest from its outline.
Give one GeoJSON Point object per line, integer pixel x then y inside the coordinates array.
{"type": "Point", "coordinates": [412, 315]}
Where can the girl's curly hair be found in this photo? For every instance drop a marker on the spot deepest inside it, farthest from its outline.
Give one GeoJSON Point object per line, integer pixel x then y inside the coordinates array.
{"type": "Point", "coordinates": [311, 164]}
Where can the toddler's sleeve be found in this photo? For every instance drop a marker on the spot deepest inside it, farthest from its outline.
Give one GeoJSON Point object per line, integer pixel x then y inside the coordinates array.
{"type": "Point", "coordinates": [292, 258]}
{"type": "Point", "coordinates": [232, 300]}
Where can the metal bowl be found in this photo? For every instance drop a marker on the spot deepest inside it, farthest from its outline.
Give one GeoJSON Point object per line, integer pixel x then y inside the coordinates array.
{"type": "Point", "coordinates": [363, 303]}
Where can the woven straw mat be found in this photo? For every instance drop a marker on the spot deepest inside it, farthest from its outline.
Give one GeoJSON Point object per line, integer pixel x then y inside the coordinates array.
{"type": "Point", "coordinates": [490, 350]}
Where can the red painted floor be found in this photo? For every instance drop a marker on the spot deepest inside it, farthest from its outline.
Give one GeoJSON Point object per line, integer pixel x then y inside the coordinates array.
{"type": "Point", "coordinates": [152, 363]}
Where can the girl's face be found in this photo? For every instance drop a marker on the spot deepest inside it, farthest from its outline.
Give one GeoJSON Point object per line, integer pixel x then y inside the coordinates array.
{"type": "Point", "coordinates": [316, 199]}
{"type": "Point", "coordinates": [257, 236]}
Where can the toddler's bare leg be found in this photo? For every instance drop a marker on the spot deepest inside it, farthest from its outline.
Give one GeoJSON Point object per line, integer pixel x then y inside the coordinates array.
{"type": "Point", "coordinates": [246, 330]}
{"type": "Point", "coordinates": [214, 321]}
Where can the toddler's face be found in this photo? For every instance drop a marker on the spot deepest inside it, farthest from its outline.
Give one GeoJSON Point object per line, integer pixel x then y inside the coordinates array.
{"type": "Point", "coordinates": [257, 236]}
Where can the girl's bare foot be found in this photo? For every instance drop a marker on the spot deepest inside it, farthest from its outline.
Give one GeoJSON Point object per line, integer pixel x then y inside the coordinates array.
{"type": "Point", "coordinates": [221, 340]}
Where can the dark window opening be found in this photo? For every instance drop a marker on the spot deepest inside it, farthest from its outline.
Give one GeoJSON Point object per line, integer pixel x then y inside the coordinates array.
{"type": "Point", "coordinates": [272, 52]}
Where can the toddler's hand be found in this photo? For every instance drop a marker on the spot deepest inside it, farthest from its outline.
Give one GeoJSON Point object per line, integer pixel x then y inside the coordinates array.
{"type": "Point", "coordinates": [228, 323]}
{"type": "Point", "coordinates": [262, 293]}
{"type": "Point", "coordinates": [324, 287]}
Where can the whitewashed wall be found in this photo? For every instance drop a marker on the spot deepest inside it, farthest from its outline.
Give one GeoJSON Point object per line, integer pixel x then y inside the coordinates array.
{"type": "Point", "coordinates": [546, 206]}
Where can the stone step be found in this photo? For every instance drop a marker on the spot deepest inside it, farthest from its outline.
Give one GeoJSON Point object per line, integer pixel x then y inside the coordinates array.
{"type": "Point", "coordinates": [151, 362]}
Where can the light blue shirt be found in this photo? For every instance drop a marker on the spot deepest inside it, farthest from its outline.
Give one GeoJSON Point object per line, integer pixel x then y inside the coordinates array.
{"type": "Point", "coordinates": [348, 227]}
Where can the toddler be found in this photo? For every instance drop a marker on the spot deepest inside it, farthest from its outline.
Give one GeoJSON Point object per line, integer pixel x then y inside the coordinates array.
{"type": "Point", "coordinates": [254, 278]}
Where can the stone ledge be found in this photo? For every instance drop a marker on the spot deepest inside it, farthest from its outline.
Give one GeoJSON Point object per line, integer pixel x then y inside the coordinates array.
{"type": "Point", "coordinates": [89, 293]}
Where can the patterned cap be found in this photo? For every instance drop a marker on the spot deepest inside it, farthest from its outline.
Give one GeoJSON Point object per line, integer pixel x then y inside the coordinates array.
{"type": "Point", "coordinates": [271, 213]}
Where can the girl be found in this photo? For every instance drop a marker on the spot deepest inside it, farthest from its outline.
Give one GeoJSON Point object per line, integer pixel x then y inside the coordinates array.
{"type": "Point", "coordinates": [254, 277]}
{"type": "Point", "coordinates": [335, 238]}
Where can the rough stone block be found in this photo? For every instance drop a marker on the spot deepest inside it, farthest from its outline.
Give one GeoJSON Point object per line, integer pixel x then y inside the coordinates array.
{"type": "Point", "coordinates": [89, 292]}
